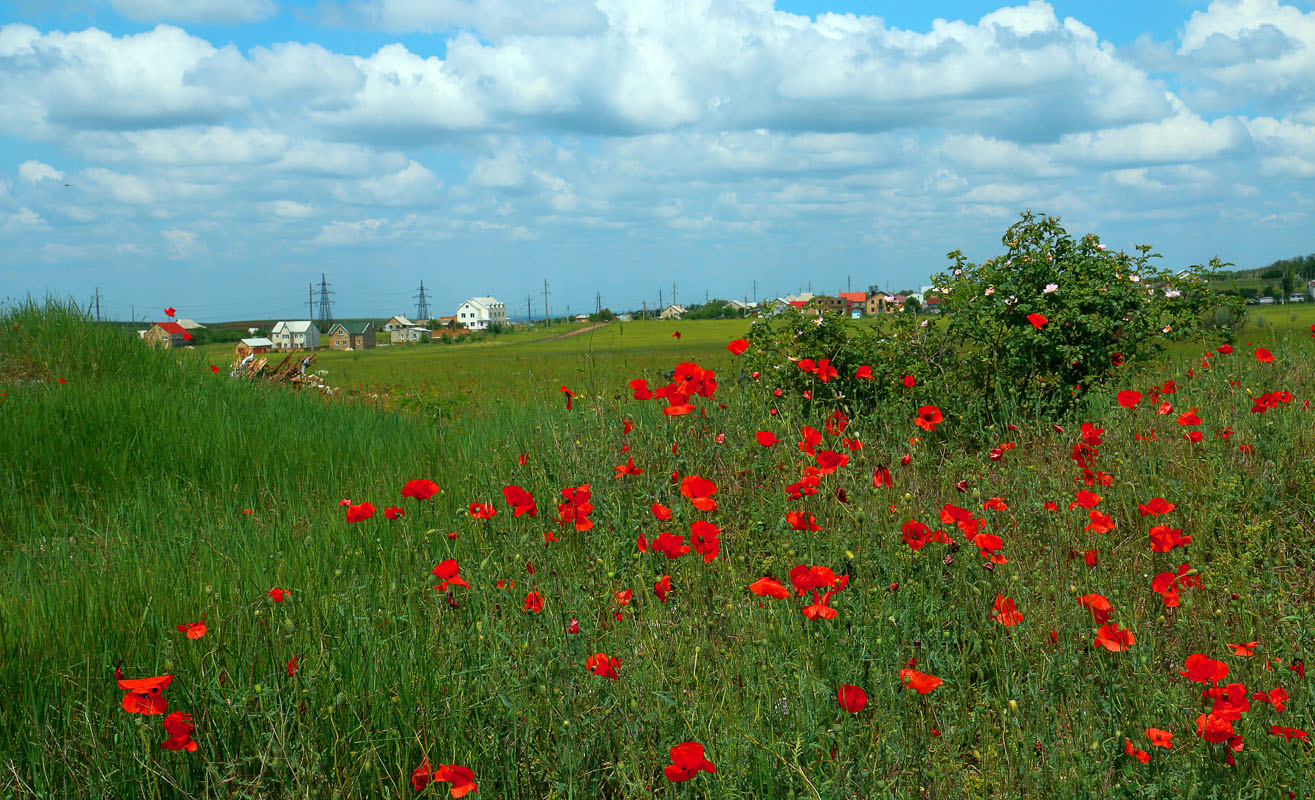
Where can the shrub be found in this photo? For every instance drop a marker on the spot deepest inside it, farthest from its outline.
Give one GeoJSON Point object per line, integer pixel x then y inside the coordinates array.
{"type": "Point", "coordinates": [1026, 334]}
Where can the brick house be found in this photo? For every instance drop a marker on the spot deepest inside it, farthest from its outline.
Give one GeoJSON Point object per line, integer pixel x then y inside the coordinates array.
{"type": "Point", "coordinates": [352, 336]}
{"type": "Point", "coordinates": [168, 335]}
{"type": "Point", "coordinates": [854, 301]}
{"type": "Point", "coordinates": [825, 302]}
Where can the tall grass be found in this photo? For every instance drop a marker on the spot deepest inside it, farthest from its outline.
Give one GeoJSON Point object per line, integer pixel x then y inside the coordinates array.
{"type": "Point", "coordinates": [121, 516]}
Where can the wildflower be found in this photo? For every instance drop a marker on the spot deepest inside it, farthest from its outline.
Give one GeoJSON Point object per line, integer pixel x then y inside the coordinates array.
{"type": "Point", "coordinates": [1110, 637]}
{"type": "Point", "coordinates": [1141, 755]}
{"type": "Point", "coordinates": [179, 726]}
{"type": "Point", "coordinates": [918, 681]}
{"type": "Point", "coordinates": [533, 602]}
{"type": "Point", "coordinates": [144, 694]}
{"type": "Point", "coordinates": [193, 630]}
{"type": "Point", "coordinates": [278, 595]}
{"type": "Point", "coordinates": [851, 698]}
{"type": "Point", "coordinates": [359, 512]}
{"type": "Point", "coordinates": [393, 512]}
{"type": "Point", "coordinates": [1051, 288]}
{"type": "Point", "coordinates": [461, 778]}
{"type": "Point", "coordinates": [766, 438]}
{"type": "Point", "coordinates": [699, 491]}
{"type": "Point", "coordinates": [420, 489]}
{"type": "Point", "coordinates": [447, 574]}
{"type": "Point", "coordinates": [1004, 611]}
{"type": "Point", "coordinates": [738, 346]}
{"type": "Point", "coordinates": [603, 665]}
{"type": "Point", "coordinates": [687, 760]}
{"type": "Point", "coordinates": [1159, 738]}
{"type": "Point", "coordinates": [521, 501]}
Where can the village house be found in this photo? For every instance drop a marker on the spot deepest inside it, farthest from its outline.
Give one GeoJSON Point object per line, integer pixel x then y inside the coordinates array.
{"type": "Point", "coordinates": [825, 302]}
{"type": "Point", "coordinates": [168, 335]}
{"type": "Point", "coordinates": [352, 336]}
{"type": "Point", "coordinates": [190, 324]}
{"type": "Point", "coordinates": [295, 335]}
{"type": "Point", "coordinates": [672, 312]}
{"type": "Point", "coordinates": [478, 313]}
{"type": "Point", "coordinates": [882, 303]}
{"type": "Point", "coordinates": [854, 302]}
{"type": "Point", "coordinates": [398, 323]}
{"type": "Point", "coordinates": [410, 335]}
{"type": "Point", "coordinates": [253, 346]}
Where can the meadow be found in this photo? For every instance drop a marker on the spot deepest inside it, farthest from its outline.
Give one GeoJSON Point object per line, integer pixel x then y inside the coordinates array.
{"type": "Point", "coordinates": [1049, 632]}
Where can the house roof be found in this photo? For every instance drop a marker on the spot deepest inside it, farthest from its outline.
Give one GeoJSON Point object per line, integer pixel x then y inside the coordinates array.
{"type": "Point", "coordinates": [172, 327]}
{"type": "Point", "coordinates": [294, 326]}
{"type": "Point", "coordinates": [189, 323]}
{"type": "Point", "coordinates": [854, 297]}
{"type": "Point", "coordinates": [406, 323]}
{"type": "Point", "coordinates": [259, 341]}
{"type": "Point", "coordinates": [352, 328]}
{"type": "Point", "coordinates": [798, 303]}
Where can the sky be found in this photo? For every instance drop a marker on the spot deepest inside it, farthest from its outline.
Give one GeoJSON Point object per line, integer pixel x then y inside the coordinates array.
{"type": "Point", "coordinates": [218, 156]}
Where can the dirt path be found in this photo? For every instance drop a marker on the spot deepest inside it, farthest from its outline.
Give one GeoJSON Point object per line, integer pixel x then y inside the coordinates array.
{"type": "Point", "coordinates": [569, 334]}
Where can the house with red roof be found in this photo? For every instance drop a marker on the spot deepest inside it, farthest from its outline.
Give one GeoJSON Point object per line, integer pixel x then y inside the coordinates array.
{"type": "Point", "coordinates": [167, 335]}
{"type": "Point", "coordinates": [853, 301]}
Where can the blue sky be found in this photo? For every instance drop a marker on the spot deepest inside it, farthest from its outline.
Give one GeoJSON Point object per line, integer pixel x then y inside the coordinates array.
{"type": "Point", "coordinates": [219, 155]}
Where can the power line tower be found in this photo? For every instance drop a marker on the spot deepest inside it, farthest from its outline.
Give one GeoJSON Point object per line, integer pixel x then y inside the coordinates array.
{"type": "Point", "coordinates": [422, 303]}
{"type": "Point", "coordinates": [326, 305]}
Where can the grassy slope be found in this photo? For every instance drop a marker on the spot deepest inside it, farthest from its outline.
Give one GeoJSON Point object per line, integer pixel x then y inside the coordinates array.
{"type": "Point", "coordinates": [122, 517]}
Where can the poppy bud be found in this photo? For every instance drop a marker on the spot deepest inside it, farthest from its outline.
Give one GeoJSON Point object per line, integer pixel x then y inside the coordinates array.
{"type": "Point", "coordinates": [894, 587]}
{"type": "Point", "coordinates": [1235, 597]}
{"type": "Point", "coordinates": [962, 486]}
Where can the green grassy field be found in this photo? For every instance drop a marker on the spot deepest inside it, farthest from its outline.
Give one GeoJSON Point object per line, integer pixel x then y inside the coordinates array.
{"type": "Point", "coordinates": [128, 474]}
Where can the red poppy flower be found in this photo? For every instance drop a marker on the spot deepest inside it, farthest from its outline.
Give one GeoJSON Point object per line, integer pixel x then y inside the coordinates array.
{"type": "Point", "coordinates": [193, 630]}
{"type": "Point", "coordinates": [1244, 649]}
{"type": "Point", "coordinates": [687, 760]}
{"type": "Point", "coordinates": [393, 512]}
{"type": "Point", "coordinates": [909, 382]}
{"type": "Point", "coordinates": [1289, 733]}
{"type": "Point", "coordinates": [478, 510]}
{"type": "Point", "coordinates": [812, 438]}
{"type": "Point", "coordinates": [359, 512]}
{"type": "Point", "coordinates": [461, 778]}
{"type": "Point", "coordinates": [699, 491]}
{"type": "Point", "coordinates": [1166, 584]}
{"type": "Point", "coordinates": [766, 438]}
{"type": "Point", "coordinates": [1085, 499]}
{"type": "Point", "coordinates": [704, 538]}
{"type": "Point", "coordinates": [662, 513]}
{"type": "Point", "coordinates": [995, 504]}
{"type": "Point", "coordinates": [1189, 418]}
{"type": "Point", "coordinates": [1214, 729]}
{"type": "Point", "coordinates": [851, 698]}
{"type": "Point", "coordinates": [640, 389]}
{"type": "Point", "coordinates": [144, 694]}
{"type": "Point", "coordinates": [662, 588]}
{"type": "Point", "coordinates": [769, 587]}
{"type": "Point", "coordinates": [421, 776]}
{"type": "Point", "coordinates": [864, 372]}
{"type": "Point", "coordinates": [623, 597]}
{"type": "Point", "coordinates": [169, 312]}
{"type": "Point", "coordinates": [533, 602]}
{"type": "Point", "coordinates": [1141, 755]}
{"type": "Point", "coordinates": [1203, 669]}
{"type": "Point", "coordinates": [1004, 612]}
{"type": "Point", "coordinates": [1264, 356]}
{"type": "Point", "coordinates": [447, 574]}
{"type": "Point", "coordinates": [738, 346]}
{"type": "Point", "coordinates": [420, 489]}
{"type": "Point", "coordinates": [804, 578]}
{"type": "Point", "coordinates": [915, 534]}
{"type": "Point", "coordinates": [928, 418]}
{"type": "Point", "coordinates": [802, 521]}
{"type": "Point", "coordinates": [179, 726]}
{"type": "Point", "coordinates": [292, 666]}
{"type": "Point", "coordinates": [1100, 523]}
{"type": "Point", "coordinates": [1159, 738]}
{"type": "Point", "coordinates": [1164, 538]}
{"type": "Point", "coordinates": [675, 334]}
{"type": "Point", "coordinates": [881, 477]}
{"type": "Point", "coordinates": [670, 544]}
{"type": "Point", "coordinates": [919, 682]}
{"type": "Point", "coordinates": [278, 595]}
{"type": "Point", "coordinates": [603, 665]}
{"type": "Point", "coordinates": [1277, 697]}
{"type": "Point", "coordinates": [627, 468]}
{"type": "Point", "coordinates": [828, 461]}
{"type": "Point", "coordinates": [521, 501]}
{"type": "Point", "coordinates": [1155, 506]}
{"type": "Point", "coordinates": [577, 508]}
{"type": "Point", "coordinates": [1098, 605]}
{"type": "Point", "coordinates": [1110, 637]}
{"type": "Point", "coordinates": [1128, 398]}
{"type": "Point", "coordinates": [1037, 320]}
{"type": "Point", "coordinates": [819, 609]}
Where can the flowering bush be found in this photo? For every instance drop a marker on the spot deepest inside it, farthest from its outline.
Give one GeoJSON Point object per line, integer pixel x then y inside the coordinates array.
{"type": "Point", "coordinates": [1028, 333]}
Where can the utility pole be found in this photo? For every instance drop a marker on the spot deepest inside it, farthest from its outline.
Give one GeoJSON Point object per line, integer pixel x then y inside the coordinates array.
{"type": "Point", "coordinates": [422, 303]}
{"type": "Point", "coordinates": [98, 304]}
{"type": "Point", "coordinates": [310, 301]}
{"type": "Point", "coordinates": [598, 302]}
{"type": "Point", "coordinates": [673, 293]}
{"type": "Point", "coordinates": [755, 291]}
{"type": "Point", "coordinates": [545, 303]}
{"type": "Point", "coordinates": [705, 295]}
{"type": "Point", "coordinates": [645, 314]}
{"type": "Point", "coordinates": [529, 311]}
{"type": "Point", "coordinates": [849, 283]}
{"type": "Point", "coordinates": [661, 305]}
{"type": "Point", "coordinates": [326, 305]}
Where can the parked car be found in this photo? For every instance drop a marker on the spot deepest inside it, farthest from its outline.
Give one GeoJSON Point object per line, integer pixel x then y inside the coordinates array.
{"type": "Point", "coordinates": [1265, 301]}
{"type": "Point", "coordinates": [1296, 298]}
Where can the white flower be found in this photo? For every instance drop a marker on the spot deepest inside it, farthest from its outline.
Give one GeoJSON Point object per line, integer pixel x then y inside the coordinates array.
{"type": "Point", "coordinates": [1051, 287]}
{"type": "Point", "coordinates": [817, 321]}
{"type": "Point", "coordinates": [1165, 329]}
{"type": "Point", "coordinates": [1173, 293]}
{"type": "Point", "coordinates": [990, 290]}
{"type": "Point", "coordinates": [958, 272]}
{"type": "Point", "coordinates": [1012, 299]}
{"type": "Point", "coordinates": [924, 323]}
{"type": "Point", "coordinates": [1135, 278]}
{"type": "Point", "coordinates": [1100, 247]}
